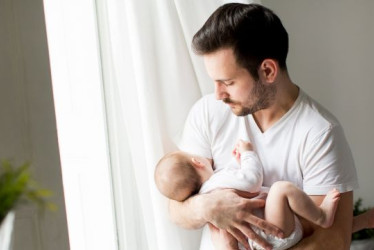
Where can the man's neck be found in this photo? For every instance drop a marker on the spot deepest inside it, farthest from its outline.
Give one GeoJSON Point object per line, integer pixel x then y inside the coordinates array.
{"type": "Point", "coordinates": [286, 95]}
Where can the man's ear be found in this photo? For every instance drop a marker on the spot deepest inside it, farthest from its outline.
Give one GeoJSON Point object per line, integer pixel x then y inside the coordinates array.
{"type": "Point", "coordinates": [268, 70]}
{"type": "Point", "coordinates": [196, 163]}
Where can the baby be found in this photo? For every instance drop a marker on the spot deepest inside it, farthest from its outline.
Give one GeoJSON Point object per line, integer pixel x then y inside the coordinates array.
{"type": "Point", "coordinates": [179, 175]}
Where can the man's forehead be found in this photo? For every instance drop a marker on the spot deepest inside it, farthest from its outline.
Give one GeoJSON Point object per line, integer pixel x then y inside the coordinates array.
{"type": "Point", "coordinates": [221, 65]}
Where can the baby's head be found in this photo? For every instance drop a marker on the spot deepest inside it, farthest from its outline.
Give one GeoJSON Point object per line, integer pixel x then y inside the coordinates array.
{"type": "Point", "coordinates": [179, 175]}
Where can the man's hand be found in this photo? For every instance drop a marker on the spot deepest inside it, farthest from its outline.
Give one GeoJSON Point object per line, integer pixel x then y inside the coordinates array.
{"type": "Point", "coordinates": [232, 211]}
{"type": "Point", "coordinates": [222, 240]}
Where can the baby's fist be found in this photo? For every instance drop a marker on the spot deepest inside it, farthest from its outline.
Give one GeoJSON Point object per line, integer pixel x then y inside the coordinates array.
{"type": "Point", "coordinates": [243, 146]}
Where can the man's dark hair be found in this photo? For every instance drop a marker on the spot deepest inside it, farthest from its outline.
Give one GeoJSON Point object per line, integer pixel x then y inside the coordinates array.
{"type": "Point", "coordinates": [253, 32]}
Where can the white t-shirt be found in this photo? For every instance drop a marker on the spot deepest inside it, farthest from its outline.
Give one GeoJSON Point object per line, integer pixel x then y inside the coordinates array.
{"type": "Point", "coordinates": [246, 177]}
{"type": "Point", "coordinates": [306, 146]}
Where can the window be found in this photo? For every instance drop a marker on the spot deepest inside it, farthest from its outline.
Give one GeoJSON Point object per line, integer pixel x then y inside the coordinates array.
{"type": "Point", "coordinates": [80, 113]}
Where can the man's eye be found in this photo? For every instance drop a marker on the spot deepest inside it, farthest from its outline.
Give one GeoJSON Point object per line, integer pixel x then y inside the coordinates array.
{"type": "Point", "coordinates": [229, 83]}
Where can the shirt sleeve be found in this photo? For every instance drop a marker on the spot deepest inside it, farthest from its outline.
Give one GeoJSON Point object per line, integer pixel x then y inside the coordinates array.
{"type": "Point", "coordinates": [195, 137]}
{"type": "Point", "coordinates": [251, 170]}
{"type": "Point", "coordinates": [329, 163]}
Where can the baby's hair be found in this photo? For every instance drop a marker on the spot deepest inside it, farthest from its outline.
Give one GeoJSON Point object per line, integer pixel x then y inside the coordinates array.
{"type": "Point", "coordinates": [176, 177]}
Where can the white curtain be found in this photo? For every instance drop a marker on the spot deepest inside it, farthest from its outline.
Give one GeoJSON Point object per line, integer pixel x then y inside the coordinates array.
{"type": "Point", "coordinates": [151, 79]}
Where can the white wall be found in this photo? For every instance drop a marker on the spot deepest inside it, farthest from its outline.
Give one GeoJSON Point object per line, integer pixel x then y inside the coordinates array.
{"type": "Point", "coordinates": [27, 126]}
{"type": "Point", "coordinates": [331, 58]}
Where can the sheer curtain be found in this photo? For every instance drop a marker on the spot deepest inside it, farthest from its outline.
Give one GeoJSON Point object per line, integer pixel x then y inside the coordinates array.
{"type": "Point", "coordinates": [151, 79]}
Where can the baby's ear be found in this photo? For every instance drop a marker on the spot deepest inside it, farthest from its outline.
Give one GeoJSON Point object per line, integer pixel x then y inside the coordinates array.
{"type": "Point", "coordinates": [196, 163]}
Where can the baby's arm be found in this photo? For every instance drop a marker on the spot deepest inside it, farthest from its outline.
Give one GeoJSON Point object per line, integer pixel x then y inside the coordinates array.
{"type": "Point", "coordinates": [251, 167]}
{"type": "Point", "coordinates": [248, 177]}
{"type": "Point", "coordinates": [240, 147]}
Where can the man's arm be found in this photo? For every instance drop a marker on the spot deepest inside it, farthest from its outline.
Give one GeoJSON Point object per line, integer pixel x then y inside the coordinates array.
{"type": "Point", "coordinates": [188, 214]}
{"type": "Point", "coordinates": [226, 209]}
{"type": "Point", "coordinates": [364, 220]}
{"type": "Point", "coordinates": [336, 237]}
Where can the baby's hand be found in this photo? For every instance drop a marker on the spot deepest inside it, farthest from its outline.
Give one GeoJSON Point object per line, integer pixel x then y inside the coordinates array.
{"type": "Point", "coordinates": [241, 147]}
{"type": "Point", "coordinates": [236, 154]}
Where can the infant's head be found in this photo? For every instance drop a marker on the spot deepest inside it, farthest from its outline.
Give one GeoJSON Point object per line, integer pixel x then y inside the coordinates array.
{"type": "Point", "coordinates": [179, 175]}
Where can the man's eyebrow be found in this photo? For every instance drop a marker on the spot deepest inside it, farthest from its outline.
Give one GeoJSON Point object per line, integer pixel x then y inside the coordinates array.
{"type": "Point", "coordinates": [224, 80]}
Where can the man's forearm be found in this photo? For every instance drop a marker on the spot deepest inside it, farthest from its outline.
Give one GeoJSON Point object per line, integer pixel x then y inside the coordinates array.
{"type": "Point", "coordinates": [188, 214]}
{"type": "Point", "coordinates": [336, 237]}
{"type": "Point", "coordinates": [322, 239]}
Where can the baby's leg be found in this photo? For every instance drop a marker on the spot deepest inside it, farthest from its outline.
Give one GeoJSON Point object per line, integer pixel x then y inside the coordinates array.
{"type": "Point", "coordinates": [277, 210]}
{"type": "Point", "coordinates": [285, 199]}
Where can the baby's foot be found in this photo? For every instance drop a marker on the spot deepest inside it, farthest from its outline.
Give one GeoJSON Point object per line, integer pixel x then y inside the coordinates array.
{"type": "Point", "coordinates": [328, 206]}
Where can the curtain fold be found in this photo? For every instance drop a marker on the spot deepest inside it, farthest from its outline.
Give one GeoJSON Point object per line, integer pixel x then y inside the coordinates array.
{"type": "Point", "coordinates": [151, 79]}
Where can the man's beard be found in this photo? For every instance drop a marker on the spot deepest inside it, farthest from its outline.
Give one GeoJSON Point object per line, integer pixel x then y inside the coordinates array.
{"type": "Point", "coordinates": [261, 97]}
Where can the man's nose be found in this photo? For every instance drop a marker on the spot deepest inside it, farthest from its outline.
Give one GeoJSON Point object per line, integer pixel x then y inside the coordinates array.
{"type": "Point", "coordinates": [220, 91]}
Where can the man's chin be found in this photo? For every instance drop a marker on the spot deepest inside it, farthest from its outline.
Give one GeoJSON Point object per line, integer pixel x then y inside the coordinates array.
{"type": "Point", "coordinates": [237, 109]}
{"type": "Point", "coordinates": [240, 111]}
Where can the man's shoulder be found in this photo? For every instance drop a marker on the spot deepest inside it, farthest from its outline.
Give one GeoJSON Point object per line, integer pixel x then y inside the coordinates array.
{"type": "Point", "coordinates": [314, 115]}
{"type": "Point", "coordinates": [208, 107]}
{"type": "Point", "coordinates": [208, 101]}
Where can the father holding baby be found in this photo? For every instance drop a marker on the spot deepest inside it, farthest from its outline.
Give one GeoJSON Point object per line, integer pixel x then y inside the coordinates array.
{"type": "Point", "coordinates": [244, 48]}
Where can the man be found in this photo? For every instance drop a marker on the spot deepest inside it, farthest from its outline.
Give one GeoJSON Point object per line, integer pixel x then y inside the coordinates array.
{"type": "Point", "coordinates": [244, 49]}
